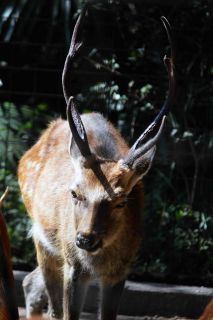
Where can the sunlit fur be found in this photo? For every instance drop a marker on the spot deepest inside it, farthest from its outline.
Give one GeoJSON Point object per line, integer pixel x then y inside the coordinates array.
{"type": "Point", "coordinates": [47, 173]}
{"type": "Point", "coordinates": [110, 206]}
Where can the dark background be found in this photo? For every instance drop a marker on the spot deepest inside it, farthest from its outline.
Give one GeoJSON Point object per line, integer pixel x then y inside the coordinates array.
{"type": "Point", "coordinates": [121, 74]}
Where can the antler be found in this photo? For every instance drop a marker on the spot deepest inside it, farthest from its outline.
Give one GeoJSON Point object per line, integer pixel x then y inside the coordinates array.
{"type": "Point", "coordinates": [74, 51]}
{"type": "Point", "coordinates": [151, 135]}
{"type": "Point", "coordinates": [73, 116]}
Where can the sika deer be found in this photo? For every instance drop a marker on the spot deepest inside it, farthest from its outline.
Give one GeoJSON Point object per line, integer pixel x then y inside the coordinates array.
{"type": "Point", "coordinates": [81, 186]}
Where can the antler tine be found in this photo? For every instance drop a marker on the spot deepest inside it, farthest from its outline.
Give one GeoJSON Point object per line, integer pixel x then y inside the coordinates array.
{"type": "Point", "coordinates": [77, 129]}
{"type": "Point", "coordinates": [169, 63]}
{"type": "Point", "coordinates": [75, 45]}
{"type": "Point", "coordinates": [167, 27]}
{"type": "Point", "coordinates": [152, 133]}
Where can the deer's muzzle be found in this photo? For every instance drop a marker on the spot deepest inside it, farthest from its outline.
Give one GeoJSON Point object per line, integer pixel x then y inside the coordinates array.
{"type": "Point", "coordinates": [90, 242]}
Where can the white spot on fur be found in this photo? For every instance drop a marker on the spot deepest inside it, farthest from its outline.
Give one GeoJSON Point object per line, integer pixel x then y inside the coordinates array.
{"type": "Point", "coordinates": [37, 167]}
{"type": "Point", "coordinates": [33, 165]}
{"type": "Point", "coordinates": [41, 153]}
{"type": "Point", "coordinates": [30, 164]}
{"type": "Point", "coordinates": [26, 190]}
{"type": "Point", "coordinates": [29, 192]}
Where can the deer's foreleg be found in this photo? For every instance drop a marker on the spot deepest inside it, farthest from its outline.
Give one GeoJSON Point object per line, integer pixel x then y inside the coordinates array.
{"type": "Point", "coordinates": [75, 287]}
{"type": "Point", "coordinates": [110, 299]}
{"type": "Point", "coordinates": [51, 268]}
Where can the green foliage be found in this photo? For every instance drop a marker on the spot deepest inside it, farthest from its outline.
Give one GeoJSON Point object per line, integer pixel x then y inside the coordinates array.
{"type": "Point", "coordinates": [17, 127]}
{"type": "Point", "coordinates": [178, 245]}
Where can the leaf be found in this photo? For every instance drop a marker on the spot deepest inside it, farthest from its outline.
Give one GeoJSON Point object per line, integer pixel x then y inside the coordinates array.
{"type": "Point", "coordinates": [173, 132]}
{"type": "Point", "coordinates": [210, 144]}
{"type": "Point", "coordinates": [187, 134]}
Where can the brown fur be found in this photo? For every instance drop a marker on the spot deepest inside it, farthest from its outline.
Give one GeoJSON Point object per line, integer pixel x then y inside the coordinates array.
{"type": "Point", "coordinates": [46, 174]}
{"type": "Point", "coordinates": [208, 312]}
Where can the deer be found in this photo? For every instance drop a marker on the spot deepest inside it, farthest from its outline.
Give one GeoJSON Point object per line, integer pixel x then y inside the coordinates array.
{"type": "Point", "coordinates": [82, 188]}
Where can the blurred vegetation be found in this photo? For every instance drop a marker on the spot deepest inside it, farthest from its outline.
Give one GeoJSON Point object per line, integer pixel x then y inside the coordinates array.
{"type": "Point", "coordinates": [18, 128]}
{"type": "Point", "coordinates": [121, 75]}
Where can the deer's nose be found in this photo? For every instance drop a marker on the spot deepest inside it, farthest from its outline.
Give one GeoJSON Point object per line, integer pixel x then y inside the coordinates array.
{"type": "Point", "coordinates": [89, 242]}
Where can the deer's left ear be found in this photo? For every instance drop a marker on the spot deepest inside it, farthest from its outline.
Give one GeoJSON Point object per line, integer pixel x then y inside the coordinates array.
{"type": "Point", "coordinates": [141, 154]}
{"type": "Point", "coordinates": [142, 164]}
{"type": "Point", "coordinates": [139, 169]}
{"type": "Point", "coordinates": [139, 158]}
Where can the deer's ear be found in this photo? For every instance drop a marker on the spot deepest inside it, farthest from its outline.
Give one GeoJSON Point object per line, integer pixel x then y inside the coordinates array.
{"type": "Point", "coordinates": [140, 156]}
{"type": "Point", "coordinates": [131, 175]}
{"type": "Point", "coordinates": [142, 164]}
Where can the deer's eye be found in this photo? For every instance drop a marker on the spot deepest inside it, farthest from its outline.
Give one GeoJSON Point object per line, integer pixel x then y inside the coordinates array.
{"type": "Point", "coordinates": [77, 197]}
{"type": "Point", "coordinates": [121, 204]}
{"type": "Point", "coordinates": [74, 195]}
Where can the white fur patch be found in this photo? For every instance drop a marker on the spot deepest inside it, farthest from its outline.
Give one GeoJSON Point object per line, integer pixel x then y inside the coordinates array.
{"type": "Point", "coordinates": [39, 235]}
{"type": "Point", "coordinates": [33, 165]}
